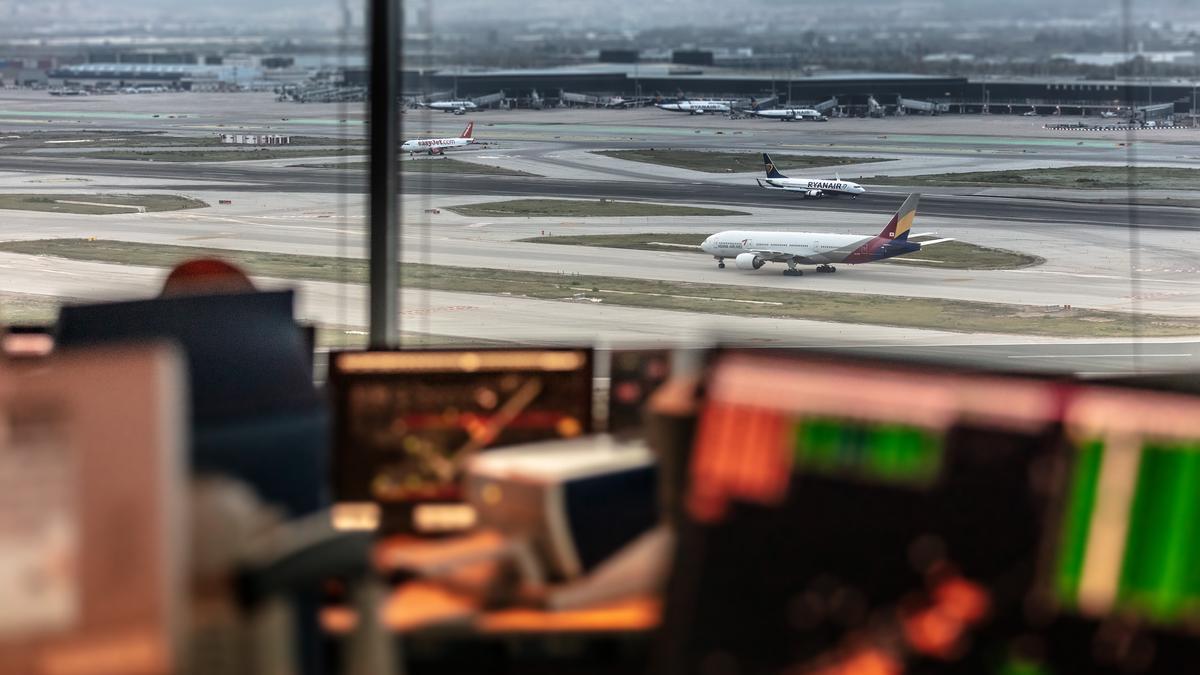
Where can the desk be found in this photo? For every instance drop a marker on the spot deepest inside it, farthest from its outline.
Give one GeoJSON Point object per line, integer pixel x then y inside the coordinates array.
{"type": "Point", "coordinates": [420, 606]}
{"type": "Point", "coordinates": [423, 606]}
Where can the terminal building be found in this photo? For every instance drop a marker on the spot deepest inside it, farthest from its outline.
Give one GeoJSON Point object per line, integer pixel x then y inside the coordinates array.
{"type": "Point", "coordinates": [687, 74]}
{"type": "Point", "coordinates": [856, 93]}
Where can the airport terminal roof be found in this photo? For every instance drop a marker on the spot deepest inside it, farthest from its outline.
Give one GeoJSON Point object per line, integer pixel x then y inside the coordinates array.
{"type": "Point", "coordinates": [673, 70]}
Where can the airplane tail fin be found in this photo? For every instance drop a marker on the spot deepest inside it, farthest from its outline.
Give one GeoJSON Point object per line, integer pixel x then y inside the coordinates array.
{"type": "Point", "coordinates": [770, 167]}
{"type": "Point", "coordinates": [469, 130]}
{"type": "Point", "coordinates": [898, 228]}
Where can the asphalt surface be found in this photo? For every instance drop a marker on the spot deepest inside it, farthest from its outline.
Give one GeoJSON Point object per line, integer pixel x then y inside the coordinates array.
{"type": "Point", "coordinates": [260, 178]}
{"type": "Point", "coordinates": [1093, 257]}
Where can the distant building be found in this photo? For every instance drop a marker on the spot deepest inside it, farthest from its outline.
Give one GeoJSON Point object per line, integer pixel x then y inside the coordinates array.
{"type": "Point", "coordinates": [255, 139]}
{"type": "Point", "coordinates": [692, 57]}
{"type": "Point", "coordinates": [618, 56]}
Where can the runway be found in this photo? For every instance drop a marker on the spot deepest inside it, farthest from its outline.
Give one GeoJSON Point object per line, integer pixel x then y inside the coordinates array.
{"type": "Point", "coordinates": [234, 179]}
{"type": "Point", "coordinates": [1093, 257]}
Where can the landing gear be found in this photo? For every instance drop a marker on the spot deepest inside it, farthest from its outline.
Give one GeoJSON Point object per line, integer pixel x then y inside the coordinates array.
{"type": "Point", "coordinates": [827, 269]}
{"type": "Point", "coordinates": [791, 271]}
{"type": "Point", "coordinates": [720, 263]}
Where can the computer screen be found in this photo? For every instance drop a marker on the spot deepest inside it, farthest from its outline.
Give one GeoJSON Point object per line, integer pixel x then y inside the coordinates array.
{"type": "Point", "coordinates": [407, 421]}
{"type": "Point", "coordinates": [1127, 535]}
{"type": "Point", "coordinates": [839, 512]}
{"type": "Point", "coordinates": [246, 355]}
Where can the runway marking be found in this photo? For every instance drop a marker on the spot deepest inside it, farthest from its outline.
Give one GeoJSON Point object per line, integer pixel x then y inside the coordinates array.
{"type": "Point", "coordinates": [1106, 276]}
{"type": "Point", "coordinates": [1096, 356]}
{"type": "Point", "coordinates": [681, 297]}
{"type": "Point", "coordinates": [215, 235]}
{"type": "Point", "coordinates": [479, 224]}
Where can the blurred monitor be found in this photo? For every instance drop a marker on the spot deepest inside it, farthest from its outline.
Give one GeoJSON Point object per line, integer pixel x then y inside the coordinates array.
{"type": "Point", "coordinates": [1122, 564]}
{"type": "Point", "coordinates": [91, 520]}
{"type": "Point", "coordinates": [246, 355]}
{"type": "Point", "coordinates": [841, 516]}
{"type": "Point", "coordinates": [634, 374]}
{"type": "Point", "coordinates": [407, 421]}
{"type": "Point", "coordinates": [256, 414]}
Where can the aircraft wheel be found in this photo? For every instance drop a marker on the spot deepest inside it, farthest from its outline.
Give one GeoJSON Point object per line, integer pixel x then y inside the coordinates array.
{"type": "Point", "coordinates": [720, 266]}
{"type": "Point", "coordinates": [793, 273]}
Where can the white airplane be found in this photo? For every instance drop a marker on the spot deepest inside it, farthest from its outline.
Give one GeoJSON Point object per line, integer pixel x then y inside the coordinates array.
{"type": "Point", "coordinates": [435, 146]}
{"type": "Point", "coordinates": [792, 114]}
{"type": "Point", "coordinates": [751, 250]}
{"type": "Point", "coordinates": [451, 106]}
{"type": "Point", "coordinates": [697, 107]}
{"type": "Point", "coordinates": [810, 188]}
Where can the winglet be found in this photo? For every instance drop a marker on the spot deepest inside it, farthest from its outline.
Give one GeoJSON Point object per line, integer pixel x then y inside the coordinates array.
{"type": "Point", "coordinates": [770, 167]}
{"type": "Point", "coordinates": [469, 130]}
{"type": "Point", "coordinates": [897, 229]}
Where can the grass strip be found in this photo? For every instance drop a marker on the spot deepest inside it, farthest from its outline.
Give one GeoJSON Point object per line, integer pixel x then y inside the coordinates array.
{"type": "Point", "coordinates": [95, 204]}
{"type": "Point", "coordinates": [730, 162]}
{"type": "Point", "coordinates": [1107, 177]}
{"type": "Point", "coordinates": [82, 140]}
{"type": "Point", "coordinates": [445, 165]}
{"type": "Point", "coordinates": [212, 155]}
{"type": "Point", "coordinates": [958, 255]}
{"type": "Point", "coordinates": [726, 299]}
{"type": "Point", "coordinates": [573, 208]}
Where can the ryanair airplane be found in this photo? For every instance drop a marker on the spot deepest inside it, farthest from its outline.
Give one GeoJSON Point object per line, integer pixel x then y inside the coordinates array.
{"type": "Point", "coordinates": [811, 189]}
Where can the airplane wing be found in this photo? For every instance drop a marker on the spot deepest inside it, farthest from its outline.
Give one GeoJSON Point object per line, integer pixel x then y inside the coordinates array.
{"type": "Point", "coordinates": [935, 241]}
{"type": "Point", "coordinates": [766, 183]}
{"type": "Point", "coordinates": [780, 256]}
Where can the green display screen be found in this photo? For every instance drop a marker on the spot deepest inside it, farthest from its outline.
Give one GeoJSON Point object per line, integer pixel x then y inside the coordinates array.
{"type": "Point", "coordinates": [871, 450]}
{"type": "Point", "coordinates": [1131, 541]}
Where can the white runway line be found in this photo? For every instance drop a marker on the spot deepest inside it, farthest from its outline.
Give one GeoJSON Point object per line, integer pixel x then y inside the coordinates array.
{"type": "Point", "coordinates": [1097, 356]}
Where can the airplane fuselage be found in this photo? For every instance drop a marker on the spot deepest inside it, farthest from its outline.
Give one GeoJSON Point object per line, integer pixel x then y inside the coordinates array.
{"type": "Point", "coordinates": [812, 187]}
{"type": "Point", "coordinates": [789, 114]}
{"type": "Point", "coordinates": [697, 107]}
{"type": "Point", "coordinates": [435, 145]}
{"type": "Point", "coordinates": [807, 248]}
{"type": "Point", "coordinates": [449, 106]}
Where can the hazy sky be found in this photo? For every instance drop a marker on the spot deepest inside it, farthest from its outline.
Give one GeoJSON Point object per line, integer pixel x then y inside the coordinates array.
{"type": "Point", "coordinates": [602, 14]}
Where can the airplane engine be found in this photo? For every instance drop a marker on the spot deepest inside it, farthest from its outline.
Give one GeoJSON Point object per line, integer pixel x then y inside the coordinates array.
{"type": "Point", "coordinates": [749, 261]}
{"type": "Point", "coordinates": [813, 194]}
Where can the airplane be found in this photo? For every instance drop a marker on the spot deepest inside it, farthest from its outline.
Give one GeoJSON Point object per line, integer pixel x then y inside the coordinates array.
{"type": "Point", "coordinates": [697, 107]}
{"type": "Point", "coordinates": [435, 146]}
{"type": "Point", "coordinates": [792, 114]}
{"type": "Point", "coordinates": [811, 189]}
{"type": "Point", "coordinates": [451, 106]}
{"type": "Point", "coordinates": [751, 250]}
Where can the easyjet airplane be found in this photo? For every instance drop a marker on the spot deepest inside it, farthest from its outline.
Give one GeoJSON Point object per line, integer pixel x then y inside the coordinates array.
{"type": "Point", "coordinates": [435, 146]}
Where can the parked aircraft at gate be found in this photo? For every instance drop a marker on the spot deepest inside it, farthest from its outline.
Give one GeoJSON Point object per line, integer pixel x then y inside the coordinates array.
{"type": "Point", "coordinates": [697, 107]}
{"type": "Point", "coordinates": [792, 114]}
